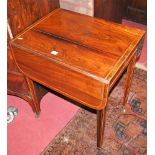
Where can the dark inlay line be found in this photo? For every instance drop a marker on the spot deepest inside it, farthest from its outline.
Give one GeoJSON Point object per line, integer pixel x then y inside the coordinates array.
{"type": "Point", "coordinates": [71, 41]}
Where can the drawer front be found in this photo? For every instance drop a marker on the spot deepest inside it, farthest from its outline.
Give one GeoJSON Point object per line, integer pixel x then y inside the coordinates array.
{"type": "Point", "coordinates": [60, 78]}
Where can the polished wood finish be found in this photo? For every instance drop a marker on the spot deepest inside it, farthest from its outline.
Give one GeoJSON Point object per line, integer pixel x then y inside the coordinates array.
{"type": "Point", "coordinates": [136, 10]}
{"type": "Point", "coordinates": [23, 13]}
{"type": "Point", "coordinates": [16, 82]}
{"type": "Point", "coordinates": [21, 86]}
{"type": "Point", "coordinates": [101, 114]}
{"type": "Point", "coordinates": [129, 78]}
{"type": "Point", "coordinates": [78, 56]}
{"type": "Point", "coordinates": [101, 117]}
{"type": "Point", "coordinates": [111, 10]}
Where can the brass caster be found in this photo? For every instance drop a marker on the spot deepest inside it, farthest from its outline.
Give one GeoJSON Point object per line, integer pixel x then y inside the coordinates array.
{"type": "Point", "coordinates": [37, 114]}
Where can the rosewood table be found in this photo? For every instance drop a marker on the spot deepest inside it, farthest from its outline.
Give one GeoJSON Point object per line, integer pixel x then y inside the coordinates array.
{"type": "Point", "coordinates": [78, 56]}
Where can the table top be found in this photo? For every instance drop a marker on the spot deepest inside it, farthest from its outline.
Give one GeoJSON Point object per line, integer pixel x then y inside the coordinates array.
{"type": "Point", "coordinates": [89, 45]}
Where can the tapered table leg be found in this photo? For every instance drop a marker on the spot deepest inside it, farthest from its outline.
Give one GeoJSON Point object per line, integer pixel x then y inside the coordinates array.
{"type": "Point", "coordinates": [101, 114]}
{"type": "Point", "coordinates": [35, 104]}
{"type": "Point", "coordinates": [130, 70]}
{"type": "Point", "coordinates": [101, 117]}
{"type": "Point", "coordinates": [36, 94]}
{"type": "Point", "coordinates": [100, 126]}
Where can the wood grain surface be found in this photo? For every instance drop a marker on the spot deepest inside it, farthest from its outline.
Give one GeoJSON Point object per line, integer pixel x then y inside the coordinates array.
{"type": "Point", "coordinates": [23, 13]}
{"type": "Point", "coordinates": [111, 10]}
{"type": "Point", "coordinates": [136, 10]}
{"type": "Point", "coordinates": [17, 84]}
{"type": "Point", "coordinates": [90, 53]}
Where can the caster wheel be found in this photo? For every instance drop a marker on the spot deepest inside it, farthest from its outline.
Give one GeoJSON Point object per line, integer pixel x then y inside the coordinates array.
{"type": "Point", "coordinates": [11, 113]}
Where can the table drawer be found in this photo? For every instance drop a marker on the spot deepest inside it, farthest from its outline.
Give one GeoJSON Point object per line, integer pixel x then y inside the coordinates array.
{"type": "Point", "coordinates": [57, 76]}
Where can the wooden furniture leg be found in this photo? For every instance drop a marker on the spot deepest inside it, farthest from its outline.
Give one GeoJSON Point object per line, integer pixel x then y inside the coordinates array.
{"type": "Point", "coordinates": [101, 114]}
{"type": "Point", "coordinates": [36, 105]}
{"type": "Point", "coordinates": [129, 75]}
{"type": "Point", "coordinates": [101, 117]}
{"type": "Point", "coordinates": [100, 126]}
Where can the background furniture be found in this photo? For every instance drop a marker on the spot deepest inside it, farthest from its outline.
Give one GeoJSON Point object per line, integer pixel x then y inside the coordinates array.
{"type": "Point", "coordinates": [111, 10]}
{"type": "Point", "coordinates": [21, 14]}
{"type": "Point", "coordinates": [136, 10]}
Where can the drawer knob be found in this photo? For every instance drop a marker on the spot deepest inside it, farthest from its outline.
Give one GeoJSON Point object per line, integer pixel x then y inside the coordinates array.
{"type": "Point", "coordinates": [54, 52]}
